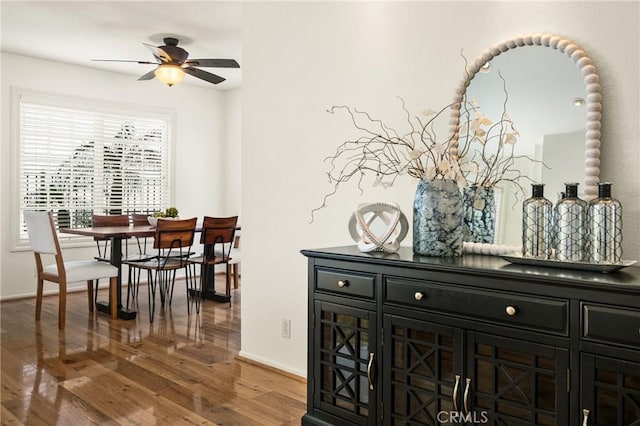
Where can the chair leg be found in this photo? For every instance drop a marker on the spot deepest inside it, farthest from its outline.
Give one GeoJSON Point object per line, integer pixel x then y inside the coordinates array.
{"type": "Point", "coordinates": [191, 289]}
{"type": "Point", "coordinates": [152, 294]}
{"type": "Point", "coordinates": [129, 284]}
{"type": "Point", "coordinates": [188, 285]}
{"type": "Point", "coordinates": [173, 281]}
{"type": "Point", "coordinates": [227, 281]}
{"type": "Point", "coordinates": [113, 296]}
{"type": "Point", "coordinates": [62, 305]}
{"type": "Point", "coordinates": [90, 294]}
{"type": "Point", "coordinates": [95, 293]}
{"type": "Point", "coordinates": [39, 290]}
{"type": "Point", "coordinates": [134, 284]}
{"type": "Point", "coordinates": [197, 288]}
{"type": "Point", "coordinates": [137, 283]}
{"type": "Point", "coordinates": [235, 275]}
{"type": "Point", "coordinates": [160, 278]}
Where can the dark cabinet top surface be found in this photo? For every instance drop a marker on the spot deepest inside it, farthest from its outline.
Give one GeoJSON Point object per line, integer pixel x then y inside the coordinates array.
{"type": "Point", "coordinates": [627, 279]}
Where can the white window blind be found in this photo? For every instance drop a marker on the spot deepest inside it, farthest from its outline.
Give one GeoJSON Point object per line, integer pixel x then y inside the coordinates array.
{"type": "Point", "coordinates": [77, 159]}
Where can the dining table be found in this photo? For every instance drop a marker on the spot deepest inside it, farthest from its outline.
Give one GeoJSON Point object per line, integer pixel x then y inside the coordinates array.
{"type": "Point", "coordinates": [116, 235]}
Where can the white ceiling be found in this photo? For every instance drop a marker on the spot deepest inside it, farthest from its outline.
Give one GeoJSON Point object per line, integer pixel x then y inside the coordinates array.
{"type": "Point", "coordinates": [76, 32]}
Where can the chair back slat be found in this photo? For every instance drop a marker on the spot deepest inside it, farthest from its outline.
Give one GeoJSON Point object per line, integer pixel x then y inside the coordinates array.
{"type": "Point", "coordinates": [139, 219]}
{"type": "Point", "coordinates": [98, 220]}
{"type": "Point", "coordinates": [41, 231]}
{"type": "Point", "coordinates": [218, 230]}
{"type": "Point", "coordinates": [172, 234]}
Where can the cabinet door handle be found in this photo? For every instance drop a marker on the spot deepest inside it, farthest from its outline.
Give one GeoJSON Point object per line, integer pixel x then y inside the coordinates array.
{"type": "Point", "coordinates": [511, 310]}
{"type": "Point", "coordinates": [343, 283]}
{"type": "Point", "coordinates": [585, 416]}
{"type": "Point", "coordinates": [466, 396]}
{"type": "Point", "coordinates": [455, 393]}
{"type": "Point", "coordinates": [369, 368]}
{"type": "Point", "coordinates": [418, 296]}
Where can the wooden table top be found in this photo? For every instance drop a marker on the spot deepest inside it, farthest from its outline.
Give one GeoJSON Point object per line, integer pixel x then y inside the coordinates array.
{"type": "Point", "coordinates": [112, 231]}
{"type": "Point", "coordinates": [118, 231]}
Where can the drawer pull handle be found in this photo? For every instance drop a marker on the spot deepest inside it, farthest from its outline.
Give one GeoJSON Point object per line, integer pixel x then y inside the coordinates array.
{"type": "Point", "coordinates": [466, 396]}
{"type": "Point", "coordinates": [511, 310]}
{"type": "Point", "coordinates": [419, 295]}
{"type": "Point", "coordinates": [343, 283]}
{"type": "Point", "coordinates": [369, 367]}
{"type": "Point", "coordinates": [455, 393]}
{"type": "Point", "coordinates": [585, 416]}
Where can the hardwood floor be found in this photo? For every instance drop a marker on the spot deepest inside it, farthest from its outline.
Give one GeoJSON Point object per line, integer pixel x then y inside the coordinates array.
{"type": "Point", "coordinates": [179, 370]}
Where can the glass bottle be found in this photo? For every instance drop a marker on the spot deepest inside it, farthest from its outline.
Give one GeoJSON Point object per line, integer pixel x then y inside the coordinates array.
{"type": "Point", "coordinates": [605, 227]}
{"type": "Point", "coordinates": [571, 226]}
{"type": "Point", "coordinates": [537, 224]}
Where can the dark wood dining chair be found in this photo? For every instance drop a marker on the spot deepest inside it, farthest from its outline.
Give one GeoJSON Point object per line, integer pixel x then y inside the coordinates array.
{"type": "Point", "coordinates": [44, 241]}
{"type": "Point", "coordinates": [172, 242]}
{"type": "Point", "coordinates": [217, 236]}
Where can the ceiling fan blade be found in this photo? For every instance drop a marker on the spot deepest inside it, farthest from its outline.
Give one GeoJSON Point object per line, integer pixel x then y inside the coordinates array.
{"type": "Point", "coordinates": [124, 60]}
{"type": "Point", "coordinates": [204, 75]}
{"type": "Point", "coordinates": [214, 63]}
{"type": "Point", "coordinates": [148, 76]}
{"type": "Point", "coordinates": [158, 53]}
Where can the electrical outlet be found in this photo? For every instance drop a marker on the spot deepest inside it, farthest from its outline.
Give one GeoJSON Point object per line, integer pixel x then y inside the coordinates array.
{"type": "Point", "coordinates": [286, 328]}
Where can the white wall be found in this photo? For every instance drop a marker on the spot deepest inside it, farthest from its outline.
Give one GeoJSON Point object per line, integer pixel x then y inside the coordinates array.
{"type": "Point", "coordinates": [232, 143]}
{"type": "Point", "coordinates": [303, 57]}
{"type": "Point", "coordinates": [199, 137]}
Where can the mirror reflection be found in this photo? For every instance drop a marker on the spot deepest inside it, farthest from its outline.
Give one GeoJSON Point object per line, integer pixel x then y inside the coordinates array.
{"type": "Point", "coordinates": [544, 93]}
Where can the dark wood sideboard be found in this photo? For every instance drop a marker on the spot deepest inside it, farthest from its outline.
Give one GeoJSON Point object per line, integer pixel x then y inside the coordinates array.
{"type": "Point", "coordinates": [403, 339]}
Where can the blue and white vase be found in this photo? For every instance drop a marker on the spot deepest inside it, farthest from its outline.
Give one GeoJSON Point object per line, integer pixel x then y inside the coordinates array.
{"type": "Point", "coordinates": [437, 218]}
{"type": "Point", "coordinates": [479, 214]}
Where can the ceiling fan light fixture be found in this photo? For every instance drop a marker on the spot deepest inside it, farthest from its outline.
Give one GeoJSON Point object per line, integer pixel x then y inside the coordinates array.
{"type": "Point", "coordinates": [169, 74]}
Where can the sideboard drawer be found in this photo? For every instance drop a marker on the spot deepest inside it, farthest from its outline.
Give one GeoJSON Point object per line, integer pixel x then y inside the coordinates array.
{"type": "Point", "coordinates": [345, 282]}
{"type": "Point", "coordinates": [535, 313]}
{"type": "Point", "coordinates": [611, 324]}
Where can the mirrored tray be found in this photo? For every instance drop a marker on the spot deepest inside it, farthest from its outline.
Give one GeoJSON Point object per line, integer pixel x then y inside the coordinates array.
{"type": "Point", "coordinates": [583, 266]}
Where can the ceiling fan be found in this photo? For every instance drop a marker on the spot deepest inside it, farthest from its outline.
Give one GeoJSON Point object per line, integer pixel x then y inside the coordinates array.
{"type": "Point", "coordinates": [173, 63]}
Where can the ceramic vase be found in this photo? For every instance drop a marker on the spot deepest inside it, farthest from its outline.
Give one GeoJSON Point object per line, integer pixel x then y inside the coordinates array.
{"type": "Point", "coordinates": [479, 214]}
{"type": "Point", "coordinates": [437, 218]}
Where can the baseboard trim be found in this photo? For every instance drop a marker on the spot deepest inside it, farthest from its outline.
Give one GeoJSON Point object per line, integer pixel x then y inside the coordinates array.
{"type": "Point", "coordinates": [271, 368]}
{"type": "Point", "coordinates": [55, 292]}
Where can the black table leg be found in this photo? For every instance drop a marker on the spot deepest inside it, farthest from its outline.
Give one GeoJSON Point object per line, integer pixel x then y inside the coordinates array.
{"type": "Point", "coordinates": [208, 281]}
{"type": "Point", "coordinates": [116, 260]}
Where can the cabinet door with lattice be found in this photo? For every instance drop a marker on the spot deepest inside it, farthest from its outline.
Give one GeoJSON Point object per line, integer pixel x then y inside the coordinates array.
{"type": "Point", "coordinates": [610, 391]}
{"type": "Point", "coordinates": [344, 362]}
{"type": "Point", "coordinates": [516, 382]}
{"type": "Point", "coordinates": [423, 362]}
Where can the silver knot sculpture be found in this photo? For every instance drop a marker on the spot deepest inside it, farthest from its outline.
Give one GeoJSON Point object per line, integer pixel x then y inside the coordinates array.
{"type": "Point", "coordinates": [378, 227]}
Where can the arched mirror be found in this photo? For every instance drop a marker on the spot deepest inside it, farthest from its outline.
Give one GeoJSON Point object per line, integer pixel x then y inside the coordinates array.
{"type": "Point", "coordinates": [553, 98]}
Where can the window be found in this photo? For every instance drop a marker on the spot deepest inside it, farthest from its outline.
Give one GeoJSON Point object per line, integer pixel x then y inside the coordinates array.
{"type": "Point", "coordinates": [78, 157]}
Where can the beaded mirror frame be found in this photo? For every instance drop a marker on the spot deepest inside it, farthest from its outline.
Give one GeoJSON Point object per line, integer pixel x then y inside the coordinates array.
{"type": "Point", "coordinates": [593, 108]}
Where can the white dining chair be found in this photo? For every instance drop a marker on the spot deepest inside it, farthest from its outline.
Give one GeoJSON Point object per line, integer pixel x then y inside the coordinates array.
{"type": "Point", "coordinates": [44, 241]}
